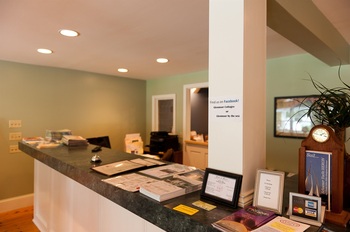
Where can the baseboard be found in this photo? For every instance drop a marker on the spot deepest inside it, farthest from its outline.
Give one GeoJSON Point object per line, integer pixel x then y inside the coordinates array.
{"type": "Point", "coordinates": [16, 202]}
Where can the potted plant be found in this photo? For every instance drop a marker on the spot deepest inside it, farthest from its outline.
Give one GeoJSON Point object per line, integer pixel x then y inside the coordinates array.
{"type": "Point", "coordinates": [332, 108]}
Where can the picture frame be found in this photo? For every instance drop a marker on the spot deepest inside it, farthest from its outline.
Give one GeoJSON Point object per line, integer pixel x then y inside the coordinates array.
{"type": "Point", "coordinates": [221, 187]}
{"type": "Point", "coordinates": [305, 208]}
{"type": "Point", "coordinates": [290, 119]}
{"type": "Point", "coordinates": [269, 187]}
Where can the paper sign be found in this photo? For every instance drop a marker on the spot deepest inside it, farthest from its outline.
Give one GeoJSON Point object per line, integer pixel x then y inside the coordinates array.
{"type": "Point", "coordinates": [203, 205]}
{"type": "Point", "coordinates": [225, 108]}
{"type": "Point", "coordinates": [185, 209]}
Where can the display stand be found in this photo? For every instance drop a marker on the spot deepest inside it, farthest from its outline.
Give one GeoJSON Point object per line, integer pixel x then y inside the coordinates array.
{"type": "Point", "coordinates": [331, 144]}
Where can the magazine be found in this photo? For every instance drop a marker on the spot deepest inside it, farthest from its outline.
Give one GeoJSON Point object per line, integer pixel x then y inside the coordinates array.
{"type": "Point", "coordinates": [167, 170]}
{"type": "Point", "coordinates": [33, 140]}
{"type": "Point", "coordinates": [130, 182]}
{"type": "Point", "coordinates": [162, 190]}
{"type": "Point", "coordinates": [117, 167]}
{"type": "Point", "coordinates": [174, 186]}
{"type": "Point", "coordinates": [251, 217]}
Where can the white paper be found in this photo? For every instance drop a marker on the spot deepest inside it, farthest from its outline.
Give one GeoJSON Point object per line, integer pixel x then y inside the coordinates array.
{"type": "Point", "coordinates": [130, 182]}
{"type": "Point", "coordinates": [269, 186]}
{"type": "Point", "coordinates": [220, 186]}
{"type": "Point", "coordinates": [225, 108]}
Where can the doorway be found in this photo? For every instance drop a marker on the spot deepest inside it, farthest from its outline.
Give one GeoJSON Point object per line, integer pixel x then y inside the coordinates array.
{"type": "Point", "coordinates": [187, 108]}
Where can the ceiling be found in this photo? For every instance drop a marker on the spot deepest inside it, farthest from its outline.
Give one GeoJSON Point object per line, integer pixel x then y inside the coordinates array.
{"type": "Point", "coordinates": [126, 34]}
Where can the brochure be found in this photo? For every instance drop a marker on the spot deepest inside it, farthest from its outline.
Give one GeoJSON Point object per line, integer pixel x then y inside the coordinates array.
{"type": "Point", "coordinates": [318, 175]}
{"type": "Point", "coordinates": [167, 170]}
{"type": "Point", "coordinates": [282, 224]}
{"type": "Point", "coordinates": [117, 167]}
{"type": "Point", "coordinates": [130, 182]}
{"type": "Point", "coordinates": [174, 186]}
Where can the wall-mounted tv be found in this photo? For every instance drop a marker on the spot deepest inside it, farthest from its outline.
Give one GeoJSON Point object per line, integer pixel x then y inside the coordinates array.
{"type": "Point", "coordinates": [290, 116]}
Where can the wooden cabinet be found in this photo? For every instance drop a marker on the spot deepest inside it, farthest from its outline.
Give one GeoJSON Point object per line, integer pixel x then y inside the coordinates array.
{"type": "Point", "coordinates": [196, 154]}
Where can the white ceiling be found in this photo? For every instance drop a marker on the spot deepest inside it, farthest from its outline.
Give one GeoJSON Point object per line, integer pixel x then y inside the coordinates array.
{"type": "Point", "coordinates": [126, 33]}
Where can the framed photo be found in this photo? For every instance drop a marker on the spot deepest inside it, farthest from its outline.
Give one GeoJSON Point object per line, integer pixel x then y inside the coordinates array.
{"type": "Point", "coordinates": [290, 119]}
{"type": "Point", "coordinates": [269, 186]}
{"type": "Point", "coordinates": [305, 208]}
{"type": "Point", "coordinates": [221, 187]}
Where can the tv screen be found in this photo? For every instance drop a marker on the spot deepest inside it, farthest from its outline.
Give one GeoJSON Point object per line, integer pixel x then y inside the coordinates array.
{"type": "Point", "coordinates": [102, 141]}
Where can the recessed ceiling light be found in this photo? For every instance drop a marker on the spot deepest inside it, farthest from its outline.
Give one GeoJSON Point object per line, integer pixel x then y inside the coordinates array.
{"type": "Point", "coordinates": [69, 33]}
{"type": "Point", "coordinates": [44, 51]}
{"type": "Point", "coordinates": [162, 60]}
{"type": "Point", "coordinates": [123, 70]}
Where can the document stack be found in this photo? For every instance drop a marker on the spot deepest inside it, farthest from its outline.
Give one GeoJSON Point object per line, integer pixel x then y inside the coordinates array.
{"type": "Point", "coordinates": [74, 140]}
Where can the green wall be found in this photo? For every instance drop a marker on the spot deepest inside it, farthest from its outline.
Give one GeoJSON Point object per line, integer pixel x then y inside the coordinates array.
{"type": "Point", "coordinates": [50, 98]}
{"type": "Point", "coordinates": [94, 105]}
{"type": "Point", "coordinates": [171, 85]}
{"type": "Point", "coordinates": [289, 76]}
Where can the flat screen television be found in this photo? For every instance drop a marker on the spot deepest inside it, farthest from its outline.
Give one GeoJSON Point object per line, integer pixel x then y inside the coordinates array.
{"type": "Point", "coordinates": [102, 141]}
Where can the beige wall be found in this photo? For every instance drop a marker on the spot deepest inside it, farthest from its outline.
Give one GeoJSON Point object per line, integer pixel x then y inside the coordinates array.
{"type": "Point", "coordinates": [95, 105]}
{"type": "Point", "coordinates": [49, 98]}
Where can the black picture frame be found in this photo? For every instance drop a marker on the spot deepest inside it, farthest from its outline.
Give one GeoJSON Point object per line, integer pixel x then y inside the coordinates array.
{"type": "Point", "coordinates": [288, 112]}
{"type": "Point", "coordinates": [221, 187]}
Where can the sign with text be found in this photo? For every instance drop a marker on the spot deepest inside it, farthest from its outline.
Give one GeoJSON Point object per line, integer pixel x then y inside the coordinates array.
{"type": "Point", "coordinates": [226, 108]}
{"type": "Point", "coordinates": [269, 186]}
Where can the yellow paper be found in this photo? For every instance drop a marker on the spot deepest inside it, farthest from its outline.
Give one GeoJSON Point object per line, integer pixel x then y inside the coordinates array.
{"type": "Point", "coordinates": [204, 205]}
{"type": "Point", "coordinates": [185, 209]}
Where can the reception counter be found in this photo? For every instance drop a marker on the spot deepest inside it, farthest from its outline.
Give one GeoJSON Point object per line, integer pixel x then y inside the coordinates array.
{"type": "Point", "coordinates": [69, 196]}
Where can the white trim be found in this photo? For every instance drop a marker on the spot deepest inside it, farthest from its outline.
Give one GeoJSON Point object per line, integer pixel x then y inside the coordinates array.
{"type": "Point", "coordinates": [14, 203]}
{"type": "Point", "coordinates": [155, 119]}
{"type": "Point", "coordinates": [186, 122]}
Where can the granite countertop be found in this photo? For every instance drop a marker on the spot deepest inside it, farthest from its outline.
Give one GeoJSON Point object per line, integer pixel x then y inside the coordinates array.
{"type": "Point", "coordinates": [75, 164]}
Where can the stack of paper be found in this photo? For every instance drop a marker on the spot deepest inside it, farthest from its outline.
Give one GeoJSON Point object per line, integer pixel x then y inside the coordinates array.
{"type": "Point", "coordinates": [74, 140]}
{"type": "Point", "coordinates": [173, 186]}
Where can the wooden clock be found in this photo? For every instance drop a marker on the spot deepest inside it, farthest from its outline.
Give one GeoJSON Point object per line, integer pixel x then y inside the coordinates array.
{"type": "Point", "coordinates": [323, 142]}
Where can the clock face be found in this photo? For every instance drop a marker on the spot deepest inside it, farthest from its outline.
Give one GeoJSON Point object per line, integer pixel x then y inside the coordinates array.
{"type": "Point", "coordinates": [320, 135]}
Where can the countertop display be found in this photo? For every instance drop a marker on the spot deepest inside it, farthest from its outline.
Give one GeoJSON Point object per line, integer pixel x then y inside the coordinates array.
{"type": "Point", "coordinates": [74, 162]}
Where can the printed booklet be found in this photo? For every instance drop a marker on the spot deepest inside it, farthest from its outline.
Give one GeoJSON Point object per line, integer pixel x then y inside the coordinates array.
{"type": "Point", "coordinates": [250, 217]}
{"type": "Point", "coordinates": [174, 186]}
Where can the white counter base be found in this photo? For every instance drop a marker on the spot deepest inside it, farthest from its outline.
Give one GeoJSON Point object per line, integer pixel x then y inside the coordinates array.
{"type": "Point", "coordinates": [61, 204]}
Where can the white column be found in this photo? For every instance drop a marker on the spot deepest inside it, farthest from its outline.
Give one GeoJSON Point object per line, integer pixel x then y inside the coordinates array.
{"type": "Point", "coordinates": [237, 78]}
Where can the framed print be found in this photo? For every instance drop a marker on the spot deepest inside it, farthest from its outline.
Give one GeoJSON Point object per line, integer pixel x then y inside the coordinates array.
{"type": "Point", "coordinates": [305, 208]}
{"type": "Point", "coordinates": [290, 119]}
{"type": "Point", "coordinates": [221, 187]}
{"type": "Point", "coordinates": [269, 186]}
